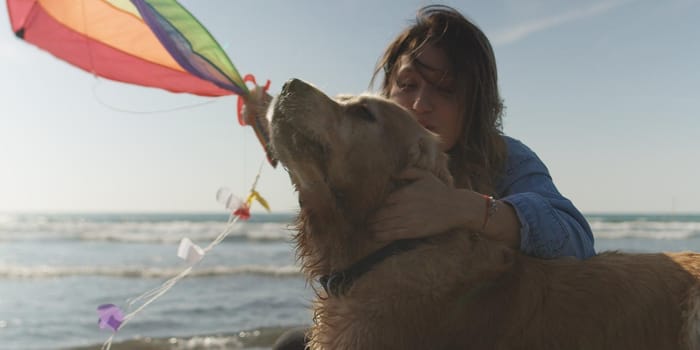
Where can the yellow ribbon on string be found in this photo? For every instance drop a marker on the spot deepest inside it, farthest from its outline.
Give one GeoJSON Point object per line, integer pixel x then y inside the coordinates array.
{"type": "Point", "coordinates": [255, 196]}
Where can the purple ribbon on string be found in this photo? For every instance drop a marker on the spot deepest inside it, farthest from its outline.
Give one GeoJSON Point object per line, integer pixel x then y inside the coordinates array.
{"type": "Point", "coordinates": [109, 316]}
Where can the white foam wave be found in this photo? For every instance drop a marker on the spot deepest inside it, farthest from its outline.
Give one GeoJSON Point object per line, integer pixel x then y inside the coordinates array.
{"type": "Point", "coordinates": [48, 271]}
{"type": "Point", "coordinates": [208, 342]}
{"type": "Point", "coordinates": [241, 340]}
{"type": "Point", "coordinates": [645, 229]}
{"type": "Point", "coordinates": [141, 232]}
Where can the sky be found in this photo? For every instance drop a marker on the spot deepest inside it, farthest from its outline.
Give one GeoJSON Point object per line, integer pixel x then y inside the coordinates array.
{"type": "Point", "coordinates": [606, 92]}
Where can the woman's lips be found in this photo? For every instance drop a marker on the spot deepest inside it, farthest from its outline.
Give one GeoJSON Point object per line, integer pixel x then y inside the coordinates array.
{"type": "Point", "coordinates": [426, 125]}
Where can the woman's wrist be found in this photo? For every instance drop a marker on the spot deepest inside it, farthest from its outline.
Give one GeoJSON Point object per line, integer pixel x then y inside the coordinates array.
{"type": "Point", "coordinates": [256, 106]}
{"type": "Point", "coordinates": [503, 225]}
{"type": "Point", "coordinates": [491, 206]}
{"type": "Point", "coordinates": [493, 219]}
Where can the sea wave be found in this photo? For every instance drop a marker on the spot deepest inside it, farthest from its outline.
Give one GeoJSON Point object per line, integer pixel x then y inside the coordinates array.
{"type": "Point", "coordinates": [250, 339]}
{"type": "Point", "coordinates": [171, 228]}
{"type": "Point", "coordinates": [50, 271]}
{"type": "Point", "coordinates": [677, 230]}
{"type": "Point", "coordinates": [143, 232]}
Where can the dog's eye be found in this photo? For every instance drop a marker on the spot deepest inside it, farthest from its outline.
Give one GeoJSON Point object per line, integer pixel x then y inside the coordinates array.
{"type": "Point", "coordinates": [362, 112]}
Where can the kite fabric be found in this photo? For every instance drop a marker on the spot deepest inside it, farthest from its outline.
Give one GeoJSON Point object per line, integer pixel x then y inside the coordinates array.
{"type": "Point", "coordinates": [155, 43]}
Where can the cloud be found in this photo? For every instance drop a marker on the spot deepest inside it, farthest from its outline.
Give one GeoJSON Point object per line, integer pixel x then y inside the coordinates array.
{"type": "Point", "coordinates": [521, 31]}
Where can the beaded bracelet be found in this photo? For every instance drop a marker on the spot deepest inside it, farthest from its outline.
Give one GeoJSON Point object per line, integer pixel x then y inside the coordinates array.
{"type": "Point", "coordinates": [491, 209]}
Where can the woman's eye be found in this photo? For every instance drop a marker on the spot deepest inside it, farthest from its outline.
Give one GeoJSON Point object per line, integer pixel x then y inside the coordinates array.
{"type": "Point", "coordinates": [447, 91]}
{"type": "Point", "coordinates": [446, 87]}
{"type": "Point", "coordinates": [405, 85]}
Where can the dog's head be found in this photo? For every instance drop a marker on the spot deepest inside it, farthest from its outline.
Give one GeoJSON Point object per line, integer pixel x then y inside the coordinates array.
{"type": "Point", "coordinates": [342, 156]}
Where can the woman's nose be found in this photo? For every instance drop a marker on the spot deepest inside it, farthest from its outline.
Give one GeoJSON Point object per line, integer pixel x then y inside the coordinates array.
{"type": "Point", "coordinates": [422, 102]}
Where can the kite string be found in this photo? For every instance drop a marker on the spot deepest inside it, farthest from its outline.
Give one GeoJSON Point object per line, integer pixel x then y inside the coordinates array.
{"type": "Point", "coordinates": [155, 293]}
{"type": "Point", "coordinates": [257, 177]}
{"type": "Point", "coordinates": [108, 344]}
{"type": "Point", "coordinates": [166, 286]}
{"type": "Point", "coordinates": [232, 220]}
{"type": "Point", "coordinates": [156, 111]}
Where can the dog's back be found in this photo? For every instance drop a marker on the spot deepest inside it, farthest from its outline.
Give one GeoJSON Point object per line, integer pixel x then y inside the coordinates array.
{"type": "Point", "coordinates": [433, 298]}
{"type": "Point", "coordinates": [611, 301]}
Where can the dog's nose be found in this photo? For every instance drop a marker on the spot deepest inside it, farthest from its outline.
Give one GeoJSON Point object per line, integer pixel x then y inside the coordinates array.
{"type": "Point", "coordinates": [293, 85]}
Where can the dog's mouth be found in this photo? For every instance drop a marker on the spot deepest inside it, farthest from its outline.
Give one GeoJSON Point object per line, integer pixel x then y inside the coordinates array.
{"type": "Point", "coordinates": [302, 150]}
{"type": "Point", "coordinates": [293, 141]}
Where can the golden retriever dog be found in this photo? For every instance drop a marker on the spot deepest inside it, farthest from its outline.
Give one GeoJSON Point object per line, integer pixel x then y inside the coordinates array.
{"type": "Point", "coordinates": [454, 290]}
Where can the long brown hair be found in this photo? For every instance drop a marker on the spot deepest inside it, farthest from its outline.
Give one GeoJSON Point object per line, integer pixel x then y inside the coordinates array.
{"type": "Point", "coordinates": [478, 157]}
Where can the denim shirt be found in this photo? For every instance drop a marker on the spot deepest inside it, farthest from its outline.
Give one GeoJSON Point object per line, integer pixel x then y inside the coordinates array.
{"type": "Point", "coordinates": [550, 225]}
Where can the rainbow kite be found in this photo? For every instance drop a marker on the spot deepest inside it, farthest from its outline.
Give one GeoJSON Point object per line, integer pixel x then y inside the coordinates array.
{"type": "Point", "coordinates": [155, 43]}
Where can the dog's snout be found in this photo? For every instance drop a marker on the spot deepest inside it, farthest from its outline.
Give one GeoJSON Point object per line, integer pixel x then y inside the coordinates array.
{"type": "Point", "coordinates": [294, 84]}
{"type": "Point", "coordinates": [287, 83]}
{"type": "Point", "coordinates": [290, 84]}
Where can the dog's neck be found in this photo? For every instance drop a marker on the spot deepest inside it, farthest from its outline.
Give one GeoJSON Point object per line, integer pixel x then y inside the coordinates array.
{"type": "Point", "coordinates": [327, 244]}
{"type": "Point", "coordinates": [338, 282]}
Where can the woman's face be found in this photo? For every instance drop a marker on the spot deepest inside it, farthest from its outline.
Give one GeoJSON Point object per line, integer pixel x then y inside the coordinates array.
{"type": "Point", "coordinates": [425, 86]}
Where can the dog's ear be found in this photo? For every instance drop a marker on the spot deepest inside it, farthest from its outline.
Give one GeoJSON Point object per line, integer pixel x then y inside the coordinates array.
{"type": "Point", "coordinates": [424, 154]}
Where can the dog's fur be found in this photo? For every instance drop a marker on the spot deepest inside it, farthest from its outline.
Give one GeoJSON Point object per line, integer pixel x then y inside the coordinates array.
{"type": "Point", "coordinates": [456, 291]}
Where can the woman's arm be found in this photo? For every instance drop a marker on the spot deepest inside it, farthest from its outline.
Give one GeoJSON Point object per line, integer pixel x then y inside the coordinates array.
{"type": "Point", "coordinates": [550, 225]}
{"type": "Point", "coordinates": [494, 219]}
{"type": "Point", "coordinates": [530, 214]}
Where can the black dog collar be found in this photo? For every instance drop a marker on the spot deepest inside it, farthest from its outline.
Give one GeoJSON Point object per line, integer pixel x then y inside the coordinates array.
{"type": "Point", "coordinates": [336, 284]}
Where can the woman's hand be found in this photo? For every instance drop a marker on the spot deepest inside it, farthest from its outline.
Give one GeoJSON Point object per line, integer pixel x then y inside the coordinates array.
{"type": "Point", "coordinates": [424, 207]}
{"type": "Point", "coordinates": [256, 105]}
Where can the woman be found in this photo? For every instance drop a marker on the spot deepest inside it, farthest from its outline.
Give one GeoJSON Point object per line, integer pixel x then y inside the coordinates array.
{"type": "Point", "coordinates": [443, 69]}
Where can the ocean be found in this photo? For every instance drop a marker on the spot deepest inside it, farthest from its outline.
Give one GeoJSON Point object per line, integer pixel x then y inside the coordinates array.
{"type": "Point", "coordinates": [55, 269]}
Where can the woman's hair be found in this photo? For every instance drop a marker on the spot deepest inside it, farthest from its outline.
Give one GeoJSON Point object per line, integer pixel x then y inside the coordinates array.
{"type": "Point", "coordinates": [478, 157]}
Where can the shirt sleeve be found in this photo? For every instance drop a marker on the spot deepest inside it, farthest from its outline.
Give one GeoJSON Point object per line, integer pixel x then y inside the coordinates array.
{"type": "Point", "coordinates": [550, 225]}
